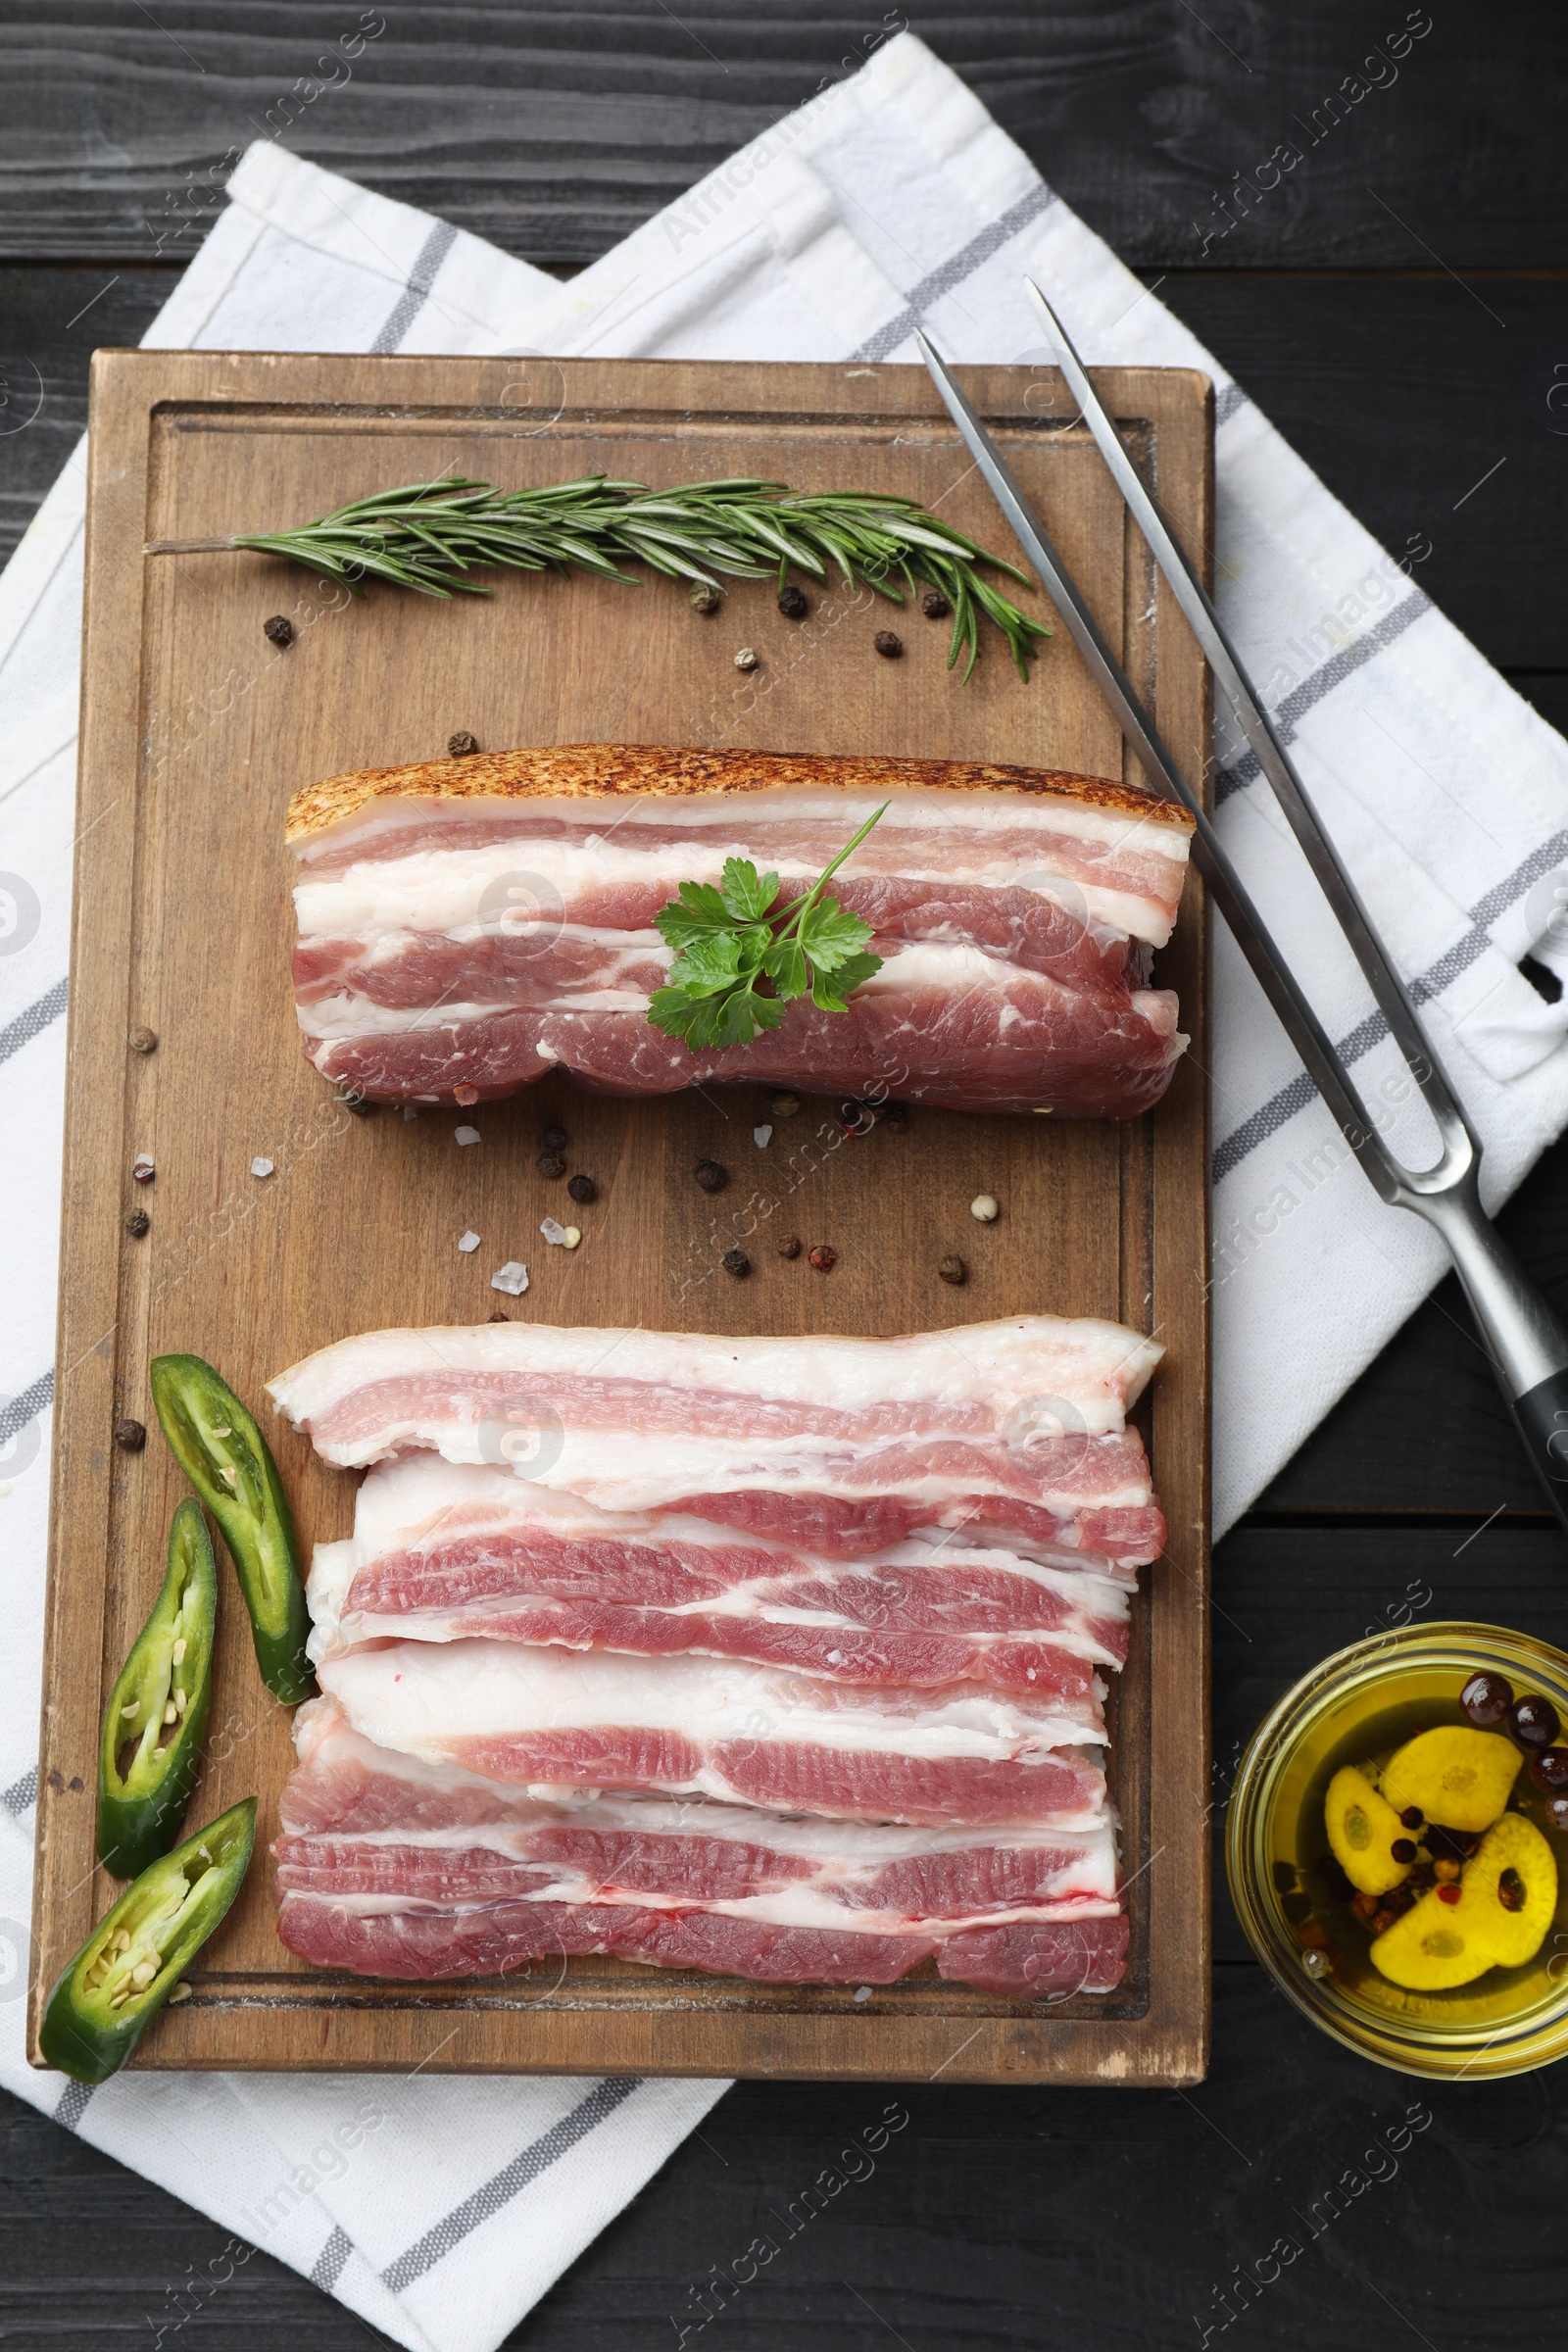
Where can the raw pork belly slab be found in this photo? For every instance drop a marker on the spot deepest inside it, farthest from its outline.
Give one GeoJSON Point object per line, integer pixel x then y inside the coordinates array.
{"type": "Point", "coordinates": [389, 1866]}
{"type": "Point", "coordinates": [444, 1550]}
{"type": "Point", "coordinates": [1009, 1432]}
{"type": "Point", "coordinates": [740, 1734]}
{"type": "Point", "coordinates": [476, 922]}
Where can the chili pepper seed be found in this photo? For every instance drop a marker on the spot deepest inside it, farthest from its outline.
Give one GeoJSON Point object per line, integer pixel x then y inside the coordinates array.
{"type": "Point", "coordinates": [280, 629]}
{"type": "Point", "coordinates": [954, 1269]}
{"type": "Point", "coordinates": [790, 1246]}
{"type": "Point", "coordinates": [792, 603]}
{"type": "Point", "coordinates": [825, 1258]}
{"type": "Point", "coordinates": [583, 1189]}
{"type": "Point", "coordinates": [711, 1176]}
{"type": "Point", "coordinates": [736, 1262]}
{"type": "Point", "coordinates": [130, 1436]}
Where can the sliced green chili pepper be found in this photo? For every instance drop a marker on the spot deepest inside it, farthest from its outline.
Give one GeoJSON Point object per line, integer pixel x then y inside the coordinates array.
{"type": "Point", "coordinates": [157, 1714]}
{"type": "Point", "coordinates": [103, 2001]}
{"type": "Point", "coordinates": [226, 1460]}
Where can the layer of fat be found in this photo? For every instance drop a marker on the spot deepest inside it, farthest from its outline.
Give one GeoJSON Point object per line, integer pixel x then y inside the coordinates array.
{"type": "Point", "coordinates": [923, 965]}
{"type": "Point", "coordinates": [428, 1699]}
{"type": "Point", "coordinates": [796, 1907]}
{"type": "Point", "coordinates": [1095, 1367]}
{"type": "Point", "coordinates": [443, 889]}
{"type": "Point", "coordinates": [1162, 829]}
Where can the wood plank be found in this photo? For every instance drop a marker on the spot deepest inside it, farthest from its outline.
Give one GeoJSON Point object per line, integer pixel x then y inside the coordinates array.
{"type": "Point", "coordinates": [556, 129]}
{"type": "Point", "coordinates": [194, 731]}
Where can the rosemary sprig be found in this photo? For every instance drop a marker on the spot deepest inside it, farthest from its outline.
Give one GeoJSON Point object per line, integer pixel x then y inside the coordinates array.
{"type": "Point", "coordinates": [730, 938]}
{"type": "Point", "coordinates": [432, 535]}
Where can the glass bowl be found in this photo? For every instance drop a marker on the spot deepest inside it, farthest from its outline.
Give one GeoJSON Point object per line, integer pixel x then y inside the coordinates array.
{"type": "Point", "coordinates": [1360, 1704]}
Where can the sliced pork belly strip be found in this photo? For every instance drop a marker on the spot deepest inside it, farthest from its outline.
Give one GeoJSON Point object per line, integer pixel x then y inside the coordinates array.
{"type": "Point", "coordinates": [950, 821]}
{"type": "Point", "coordinates": [739, 1734]}
{"type": "Point", "coordinates": [444, 1550]}
{"type": "Point", "coordinates": [863, 1438]}
{"type": "Point", "coordinates": [388, 1866]}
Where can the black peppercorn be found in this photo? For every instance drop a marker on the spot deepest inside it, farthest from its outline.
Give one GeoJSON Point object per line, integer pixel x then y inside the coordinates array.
{"type": "Point", "coordinates": [463, 745]}
{"type": "Point", "coordinates": [856, 1119]}
{"type": "Point", "coordinates": [359, 1106]}
{"type": "Point", "coordinates": [551, 1164]}
{"type": "Point", "coordinates": [1555, 1809]}
{"type": "Point", "coordinates": [1549, 1769]}
{"type": "Point", "coordinates": [889, 646]}
{"type": "Point", "coordinates": [1510, 1889]}
{"type": "Point", "coordinates": [790, 1246]}
{"type": "Point", "coordinates": [497, 1315]}
{"type": "Point", "coordinates": [792, 603]}
{"type": "Point", "coordinates": [280, 629]}
{"type": "Point", "coordinates": [583, 1187]}
{"type": "Point", "coordinates": [554, 1138]}
{"type": "Point", "coordinates": [825, 1258]}
{"type": "Point", "coordinates": [934, 604]}
{"type": "Point", "coordinates": [736, 1262]}
{"type": "Point", "coordinates": [1403, 1849]}
{"type": "Point", "coordinates": [1533, 1722]}
{"type": "Point", "coordinates": [1411, 1818]}
{"type": "Point", "coordinates": [954, 1269]}
{"type": "Point", "coordinates": [896, 1116]}
{"type": "Point", "coordinates": [711, 1176]}
{"type": "Point", "coordinates": [137, 1224]}
{"type": "Point", "coordinates": [130, 1436]}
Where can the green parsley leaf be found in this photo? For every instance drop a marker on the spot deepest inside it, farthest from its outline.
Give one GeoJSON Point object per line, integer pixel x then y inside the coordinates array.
{"type": "Point", "coordinates": [728, 940]}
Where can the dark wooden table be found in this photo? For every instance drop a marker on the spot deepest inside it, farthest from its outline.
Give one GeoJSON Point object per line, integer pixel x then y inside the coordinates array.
{"type": "Point", "coordinates": [1399, 312]}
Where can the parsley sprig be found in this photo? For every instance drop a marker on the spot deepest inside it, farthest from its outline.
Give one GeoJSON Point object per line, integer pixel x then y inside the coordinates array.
{"type": "Point", "coordinates": [733, 938]}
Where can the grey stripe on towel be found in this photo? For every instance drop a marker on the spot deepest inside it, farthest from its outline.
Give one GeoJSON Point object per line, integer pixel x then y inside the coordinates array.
{"type": "Point", "coordinates": [963, 263]}
{"type": "Point", "coordinates": [427, 2251]}
{"type": "Point", "coordinates": [1284, 1106]}
{"type": "Point", "coordinates": [328, 2266]}
{"type": "Point", "coordinates": [18, 1411]}
{"type": "Point", "coordinates": [32, 1020]}
{"type": "Point", "coordinates": [421, 277]}
{"type": "Point", "coordinates": [1323, 680]}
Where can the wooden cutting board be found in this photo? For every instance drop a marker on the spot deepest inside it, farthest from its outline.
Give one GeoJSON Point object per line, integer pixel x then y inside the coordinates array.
{"type": "Point", "coordinates": [196, 729]}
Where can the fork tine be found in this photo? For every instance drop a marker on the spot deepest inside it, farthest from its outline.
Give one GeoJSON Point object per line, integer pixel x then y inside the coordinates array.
{"type": "Point", "coordinates": [1345, 900]}
{"type": "Point", "coordinates": [1300, 1023]}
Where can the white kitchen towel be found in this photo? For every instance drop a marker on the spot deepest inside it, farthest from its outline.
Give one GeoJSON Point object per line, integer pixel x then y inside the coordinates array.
{"type": "Point", "coordinates": [441, 2210]}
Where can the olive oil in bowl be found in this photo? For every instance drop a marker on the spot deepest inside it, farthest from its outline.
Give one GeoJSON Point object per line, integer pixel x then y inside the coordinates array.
{"type": "Point", "coordinates": [1358, 1709]}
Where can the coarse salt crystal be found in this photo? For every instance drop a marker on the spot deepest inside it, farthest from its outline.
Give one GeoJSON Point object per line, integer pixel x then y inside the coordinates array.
{"type": "Point", "coordinates": [512, 1278]}
{"type": "Point", "coordinates": [553, 1231]}
{"type": "Point", "coordinates": [409, 1111]}
{"type": "Point", "coordinates": [261, 1167]}
{"type": "Point", "coordinates": [468, 1241]}
{"type": "Point", "coordinates": [467, 1135]}
{"type": "Point", "coordinates": [862, 1992]}
{"type": "Point", "coordinates": [761, 1137]}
